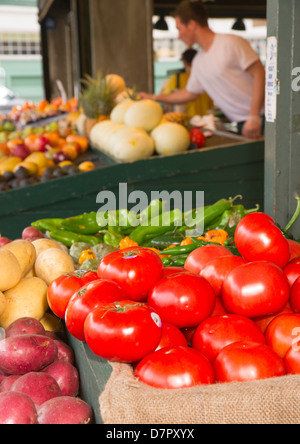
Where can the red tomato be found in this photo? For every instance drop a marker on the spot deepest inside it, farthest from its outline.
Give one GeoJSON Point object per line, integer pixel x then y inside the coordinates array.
{"type": "Point", "coordinates": [215, 333]}
{"type": "Point", "coordinates": [247, 361]}
{"type": "Point", "coordinates": [219, 308]}
{"type": "Point", "coordinates": [124, 331]}
{"type": "Point", "coordinates": [189, 334]}
{"type": "Point", "coordinates": [182, 299]}
{"type": "Point", "coordinates": [263, 321]}
{"type": "Point", "coordinates": [258, 239]}
{"type": "Point", "coordinates": [175, 367]}
{"type": "Point", "coordinates": [198, 258]}
{"type": "Point", "coordinates": [292, 270]}
{"type": "Point", "coordinates": [283, 332]}
{"type": "Point", "coordinates": [292, 361]}
{"type": "Point", "coordinates": [62, 289]}
{"type": "Point", "coordinates": [217, 311]}
{"type": "Point", "coordinates": [171, 336]}
{"type": "Point", "coordinates": [134, 269]}
{"type": "Point", "coordinates": [171, 270]}
{"type": "Point", "coordinates": [295, 296]}
{"type": "Point", "coordinates": [295, 248]}
{"type": "Point", "coordinates": [255, 289]}
{"type": "Point", "coordinates": [197, 137]}
{"type": "Point", "coordinates": [218, 269]}
{"type": "Point", "coordinates": [89, 297]}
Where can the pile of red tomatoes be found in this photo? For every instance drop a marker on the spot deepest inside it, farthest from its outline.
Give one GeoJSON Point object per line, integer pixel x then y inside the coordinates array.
{"type": "Point", "coordinates": [221, 318]}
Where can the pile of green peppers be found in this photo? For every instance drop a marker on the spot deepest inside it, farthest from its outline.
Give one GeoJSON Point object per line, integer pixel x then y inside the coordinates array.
{"type": "Point", "coordinates": [153, 227]}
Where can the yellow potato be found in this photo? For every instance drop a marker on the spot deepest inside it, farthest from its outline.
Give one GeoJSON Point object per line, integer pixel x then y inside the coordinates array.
{"type": "Point", "coordinates": [52, 263]}
{"type": "Point", "coordinates": [27, 299]}
{"type": "Point", "coordinates": [51, 322]}
{"type": "Point", "coordinates": [24, 252]}
{"type": "Point", "coordinates": [30, 273]}
{"type": "Point", "coordinates": [10, 270]}
{"type": "Point", "coordinates": [2, 302]}
{"type": "Point", "coordinates": [41, 245]}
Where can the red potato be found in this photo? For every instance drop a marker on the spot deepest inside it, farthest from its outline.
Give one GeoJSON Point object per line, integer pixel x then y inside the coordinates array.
{"type": "Point", "coordinates": [17, 408]}
{"type": "Point", "coordinates": [25, 326]}
{"type": "Point", "coordinates": [3, 375]}
{"type": "Point", "coordinates": [65, 410]}
{"type": "Point", "coordinates": [66, 376]}
{"type": "Point", "coordinates": [4, 241]}
{"type": "Point", "coordinates": [31, 234]}
{"type": "Point", "coordinates": [7, 382]}
{"type": "Point", "coordinates": [26, 353]}
{"type": "Point", "coordinates": [39, 386]}
{"type": "Point", "coordinates": [65, 352]}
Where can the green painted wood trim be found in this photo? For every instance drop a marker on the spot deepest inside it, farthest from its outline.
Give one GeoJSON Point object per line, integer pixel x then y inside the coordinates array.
{"type": "Point", "coordinates": [282, 160]}
{"type": "Point", "coordinates": [148, 170]}
{"type": "Point", "coordinates": [94, 372]}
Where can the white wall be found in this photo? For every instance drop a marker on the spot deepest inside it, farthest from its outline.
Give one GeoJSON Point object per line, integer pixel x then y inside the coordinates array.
{"type": "Point", "coordinates": [19, 19]}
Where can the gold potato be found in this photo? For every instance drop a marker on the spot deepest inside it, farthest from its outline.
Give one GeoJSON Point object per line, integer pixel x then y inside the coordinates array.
{"type": "Point", "coordinates": [52, 323]}
{"type": "Point", "coordinates": [41, 245]}
{"type": "Point", "coordinates": [30, 273]}
{"type": "Point", "coordinates": [27, 299]}
{"type": "Point", "coordinates": [24, 252]}
{"type": "Point", "coordinates": [2, 302]}
{"type": "Point", "coordinates": [10, 270]}
{"type": "Point", "coordinates": [52, 263]}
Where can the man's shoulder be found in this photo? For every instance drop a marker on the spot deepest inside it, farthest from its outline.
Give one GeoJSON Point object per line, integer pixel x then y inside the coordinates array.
{"type": "Point", "coordinates": [230, 39]}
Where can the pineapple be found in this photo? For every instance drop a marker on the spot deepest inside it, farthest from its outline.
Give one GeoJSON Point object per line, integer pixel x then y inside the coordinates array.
{"type": "Point", "coordinates": [97, 100]}
{"type": "Point", "coordinates": [176, 117]}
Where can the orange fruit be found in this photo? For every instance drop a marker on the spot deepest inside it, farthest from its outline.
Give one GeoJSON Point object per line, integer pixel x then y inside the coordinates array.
{"type": "Point", "coordinates": [71, 151]}
{"type": "Point", "coordinates": [53, 137]}
{"type": "Point", "coordinates": [61, 142]}
{"type": "Point", "coordinates": [81, 140]}
{"type": "Point", "coordinates": [4, 148]}
{"type": "Point", "coordinates": [30, 140]}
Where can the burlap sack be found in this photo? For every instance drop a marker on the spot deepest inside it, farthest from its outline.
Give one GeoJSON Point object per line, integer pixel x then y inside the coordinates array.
{"type": "Point", "coordinates": [125, 400]}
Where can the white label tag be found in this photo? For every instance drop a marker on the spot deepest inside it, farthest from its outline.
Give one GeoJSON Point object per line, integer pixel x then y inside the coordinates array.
{"type": "Point", "coordinates": [156, 319]}
{"type": "Point", "coordinates": [271, 80]}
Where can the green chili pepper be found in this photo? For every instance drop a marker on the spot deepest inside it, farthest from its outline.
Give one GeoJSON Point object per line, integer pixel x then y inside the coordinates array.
{"type": "Point", "coordinates": [164, 241]}
{"type": "Point", "coordinates": [230, 218]}
{"type": "Point", "coordinates": [112, 239]}
{"type": "Point", "coordinates": [160, 224]}
{"type": "Point", "coordinates": [48, 224]}
{"type": "Point", "coordinates": [155, 208]}
{"type": "Point", "coordinates": [203, 216]}
{"type": "Point", "coordinates": [179, 261]}
{"type": "Point", "coordinates": [166, 261]}
{"type": "Point", "coordinates": [68, 238]}
{"type": "Point", "coordinates": [83, 224]}
{"type": "Point", "coordinates": [186, 249]}
{"type": "Point", "coordinates": [294, 218]}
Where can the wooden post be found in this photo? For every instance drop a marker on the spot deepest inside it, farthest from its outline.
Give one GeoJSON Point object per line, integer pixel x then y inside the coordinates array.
{"type": "Point", "coordinates": [282, 149]}
{"type": "Point", "coordinates": [121, 40]}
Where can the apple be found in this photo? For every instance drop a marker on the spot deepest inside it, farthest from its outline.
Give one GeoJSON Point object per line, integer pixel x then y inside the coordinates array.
{"type": "Point", "coordinates": [20, 150]}
{"type": "Point", "coordinates": [41, 143]}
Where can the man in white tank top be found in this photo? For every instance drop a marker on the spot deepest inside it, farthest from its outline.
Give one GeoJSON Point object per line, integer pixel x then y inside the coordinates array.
{"type": "Point", "coordinates": [227, 69]}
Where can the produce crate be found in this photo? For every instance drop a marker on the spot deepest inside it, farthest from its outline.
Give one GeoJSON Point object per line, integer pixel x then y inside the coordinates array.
{"type": "Point", "coordinates": [228, 166]}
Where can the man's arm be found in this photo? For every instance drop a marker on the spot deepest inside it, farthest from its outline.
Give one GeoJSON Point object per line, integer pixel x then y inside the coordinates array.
{"type": "Point", "coordinates": [176, 97]}
{"type": "Point", "coordinates": [252, 128]}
